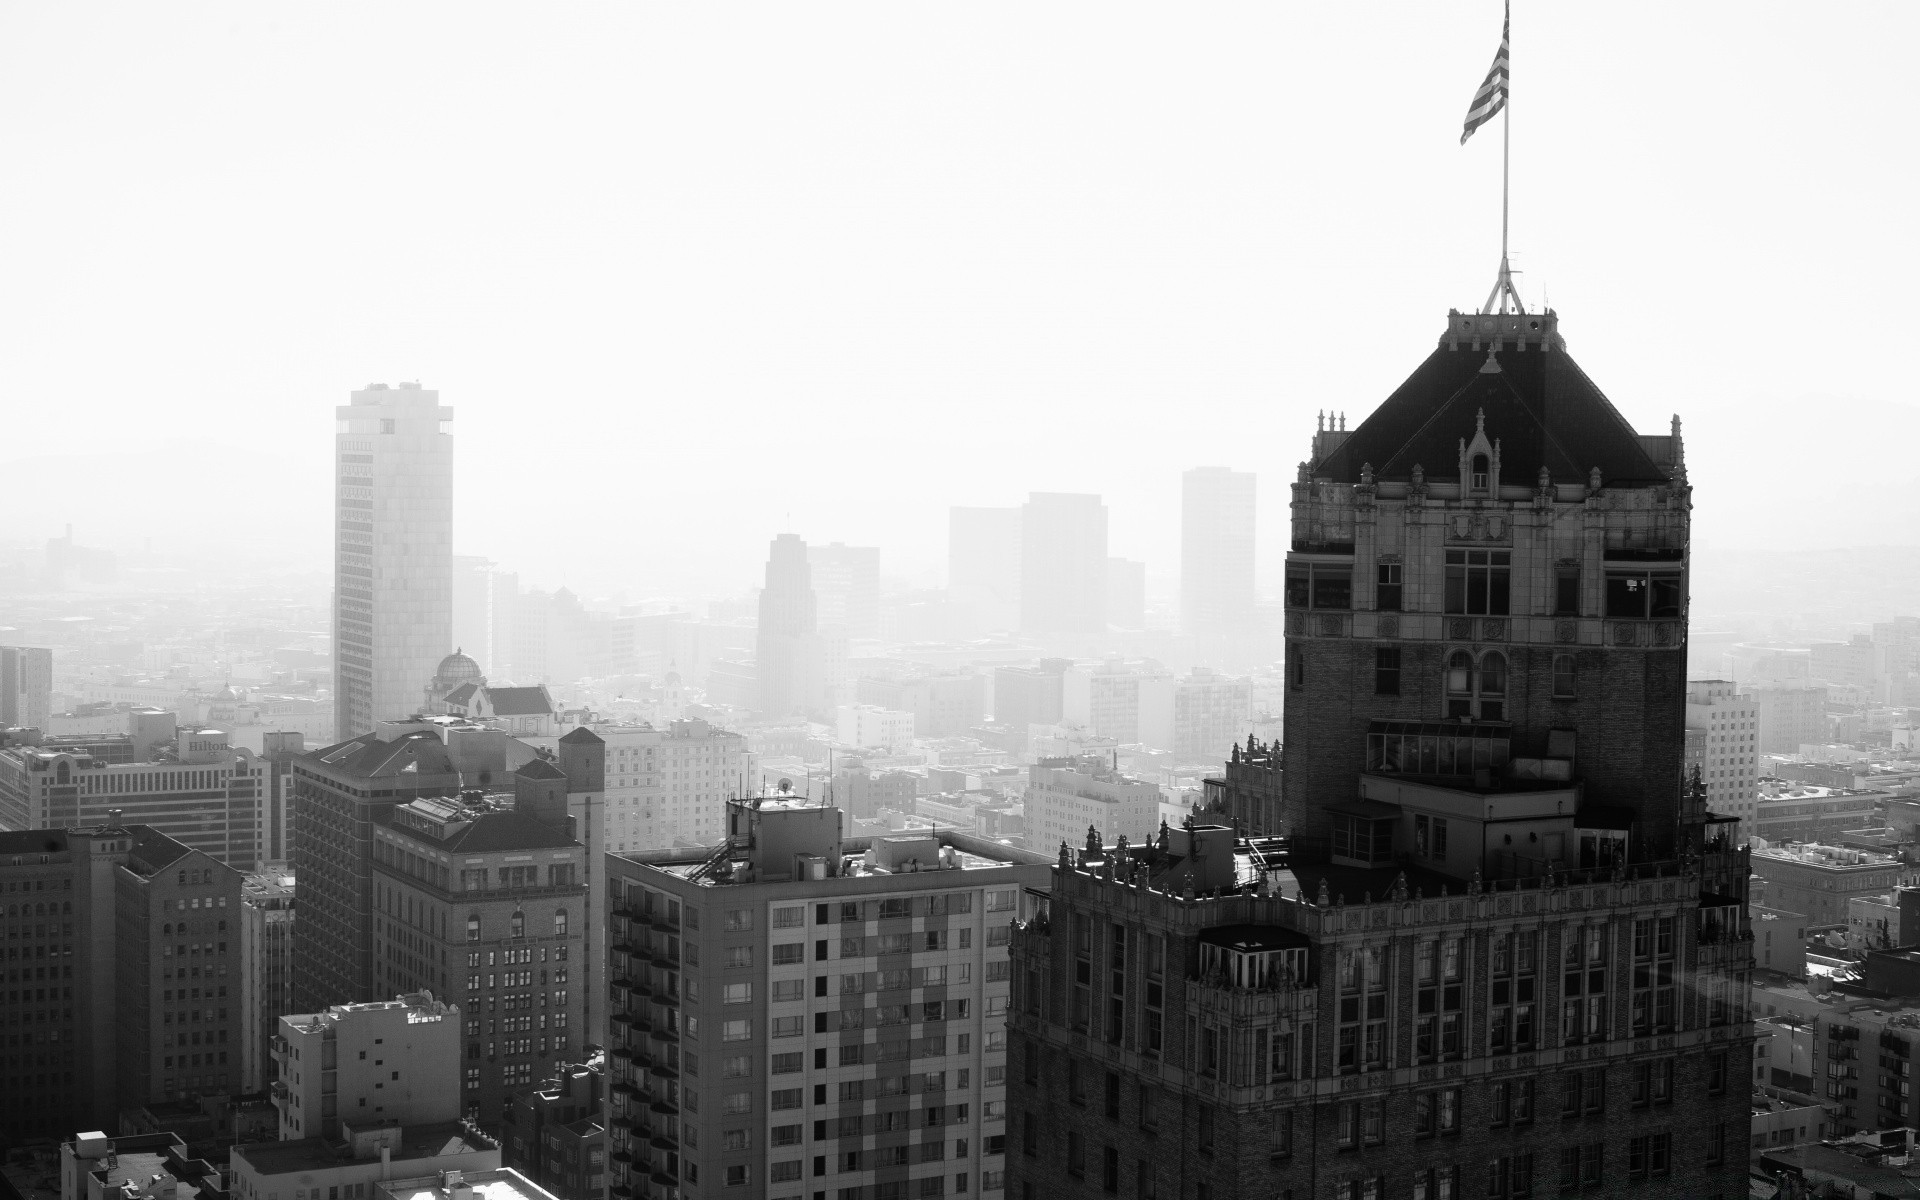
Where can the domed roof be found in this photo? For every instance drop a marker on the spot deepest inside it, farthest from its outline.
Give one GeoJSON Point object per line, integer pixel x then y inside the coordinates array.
{"type": "Point", "coordinates": [457, 668]}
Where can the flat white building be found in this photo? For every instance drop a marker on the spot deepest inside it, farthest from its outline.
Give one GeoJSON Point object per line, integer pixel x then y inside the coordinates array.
{"type": "Point", "coordinates": [393, 552]}
{"type": "Point", "coordinates": [1066, 795]}
{"type": "Point", "coordinates": [390, 1061]}
{"type": "Point", "coordinates": [1728, 748]}
{"type": "Point", "coordinates": [871, 727]}
{"type": "Point", "coordinates": [1216, 552]}
{"type": "Point", "coordinates": [804, 1011]}
{"type": "Point", "coordinates": [669, 786]}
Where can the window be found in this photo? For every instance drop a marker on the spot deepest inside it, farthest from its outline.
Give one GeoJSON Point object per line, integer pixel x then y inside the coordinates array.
{"type": "Point", "coordinates": [1641, 595]}
{"type": "Point", "coordinates": [517, 927]}
{"type": "Point", "coordinates": [1478, 581]}
{"type": "Point", "coordinates": [1319, 585]}
{"type": "Point", "coordinates": [788, 954]}
{"type": "Point", "coordinates": [736, 993]}
{"type": "Point", "coordinates": [1386, 594]}
{"type": "Point", "coordinates": [1205, 1129]}
{"type": "Point", "coordinates": [734, 1139]}
{"type": "Point", "coordinates": [736, 1031]}
{"type": "Point", "coordinates": [738, 956]}
{"type": "Point", "coordinates": [737, 1066]}
{"type": "Point", "coordinates": [1716, 1072]}
{"type": "Point", "coordinates": [788, 1026]}
{"type": "Point", "coordinates": [790, 989]}
{"type": "Point", "coordinates": [737, 1175]}
{"type": "Point", "coordinates": [1510, 1176]}
{"type": "Point", "coordinates": [560, 923]}
{"type": "Point", "coordinates": [789, 918]}
{"type": "Point", "coordinates": [1716, 1151]}
{"type": "Point", "coordinates": [1580, 1166]}
{"type": "Point", "coordinates": [1566, 591]}
{"type": "Point", "coordinates": [1480, 474]}
{"type": "Point", "coordinates": [786, 1098]}
{"type": "Point", "coordinates": [1437, 1183]}
{"type": "Point", "coordinates": [1296, 669]}
{"type": "Point", "coordinates": [735, 1104]}
{"type": "Point", "coordinates": [1563, 676]}
{"type": "Point", "coordinates": [1429, 837]}
{"type": "Point", "coordinates": [1386, 671]}
{"type": "Point", "coordinates": [1076, 1155]}
{"type": "Point", "coordinates": [789, 1064]}
{"type": "Point", "coordinates": [739, 920]}
{"type": "Point", "coordinates": [473, 927]}
{"type": "Point", "coordinates": [1110, 1169]}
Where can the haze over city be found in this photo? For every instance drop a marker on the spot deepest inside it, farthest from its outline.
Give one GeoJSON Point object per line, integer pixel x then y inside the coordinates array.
{"type": "Point", "coordinates": [900, 602]}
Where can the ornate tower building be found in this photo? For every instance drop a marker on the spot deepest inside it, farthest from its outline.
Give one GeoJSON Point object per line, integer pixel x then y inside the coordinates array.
{"type": "Point", "coordinates": [1487, 587]}
{"type": "Point", "coordinates": [1504, 951]}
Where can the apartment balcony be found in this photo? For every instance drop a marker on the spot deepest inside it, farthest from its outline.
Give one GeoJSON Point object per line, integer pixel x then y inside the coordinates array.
{"type": "Point", "coordinates": [1246, 1006]}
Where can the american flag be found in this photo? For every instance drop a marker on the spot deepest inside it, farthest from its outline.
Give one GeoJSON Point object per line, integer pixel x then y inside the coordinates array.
{"type": "Point", "coordinates": [1492, 96]}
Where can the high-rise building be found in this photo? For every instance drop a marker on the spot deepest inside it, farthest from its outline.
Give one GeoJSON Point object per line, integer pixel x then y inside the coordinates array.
{"type": "Point", "coordinates": [802, 1011]}
{"type": "Point", "coordinates": [1211, 713]}
{"type": "Point", "coordinates": [1216, 552]}
{"type": "Point", "coordinates": [788, 650]}
{"type": "Point", "coordinates": [1024, 696]}
{"type": "Point", "coordinates": [485, 900]}
{"type": "Point", "coordinates": [121, 981]}
{"type": "Point", "coordinates": [1063, 564]}
{"type": "Point", "coordinates": [472, 596]}
{"type": "Point", "coordinates": [983, 566]}
{"type": "Point", "coordinates": [389, 1062]}
{"type": "Point", "coordinates": [265, 989]}
{"type": "Point", "coordinates": [943, 703]}
{"type": "Point", "coordinates": [1505, 949]}
{"type": "Point", "coordinates": [393, 552]}
{"type": "Point", "coordinates": [1790, 713]}
{"type": "Point", "coordinates": [192, 786]}
{"type": "Point", "coordinates": [26, 687]}
{"type": "Point", "coordinates": [1729, 758]}
{"type": "Point", "coordinates": [341, 792]}
{"type": "Point", "coordinates": [1126, 593]}
{"type": "Point", "coordinates": [846, 583]}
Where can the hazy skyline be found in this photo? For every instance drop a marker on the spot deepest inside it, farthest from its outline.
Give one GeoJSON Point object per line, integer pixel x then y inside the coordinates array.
{"type": "Point", "coordinates": [694, 277]}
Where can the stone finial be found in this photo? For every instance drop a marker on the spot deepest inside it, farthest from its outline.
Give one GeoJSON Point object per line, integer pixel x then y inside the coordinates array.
{"type": "Point", "coordinates": [1320, 421]}
{"type": "Point", "coordinates": [1398, 892]}
{"type": "Point", "coordinates": [1480, 420]}
{"type": "Point", "coordinates": [1326, 896]}
{"type": "Point", "coordinates": [1161, 841]}
{"type": "Point", "coordinates": [1366, 474]}
{"type": "Point", "coordinates": [1491, 366]}
{"type": "Point", "coordinates": [1593, 479]}
{"type": "Point", "coordinates": [1066, 855]}
{"type": "Point", "coordinates": [1546, 478]}
{"type": "Point", "coordinates": [1419, 475]}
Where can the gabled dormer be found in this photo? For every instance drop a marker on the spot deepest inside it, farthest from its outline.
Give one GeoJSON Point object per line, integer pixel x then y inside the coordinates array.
{"type": "Point", "coordinates": [1480, 459]}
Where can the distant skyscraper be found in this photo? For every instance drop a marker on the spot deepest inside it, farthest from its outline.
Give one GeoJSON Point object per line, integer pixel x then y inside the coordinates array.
{"type": "Point", "coordinates": [1063, 564]}
{"type": "Point", "coordinates": [393, 552]}
{"type": "Point", "coordinates": [1126, 593]}
{"type": "Point", "coordinates": [1216, 551]}
{"type": "Point", "coordinates": [26, 687]}
{"type": "Point", "coordinates": [787, 647]}
{"type": "Point", "coordinates": [472, 609]}
{"type": "Point", "coordinates": [983, 565]}
{"type": "Point", "coordinates": [846, 583]}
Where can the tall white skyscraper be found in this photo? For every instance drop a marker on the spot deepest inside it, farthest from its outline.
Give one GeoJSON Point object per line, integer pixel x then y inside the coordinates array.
{"type": "Point", "coordinates": [26, 686]}
{"type": "Point", "coordinates": [983, 565]}
{"type": "Point", "coordinates": [1216, 551]}
{"type": "Point", "coordinates": [393, 552]}
{"type": "Point", "coordinates": [1063, 563]}
{"type": "Point", "coordinates": [788, 650]}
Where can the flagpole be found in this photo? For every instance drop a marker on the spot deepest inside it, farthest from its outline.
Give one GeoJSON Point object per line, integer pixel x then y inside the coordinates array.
{"type": "Point", "coordinates": [1506, 151]}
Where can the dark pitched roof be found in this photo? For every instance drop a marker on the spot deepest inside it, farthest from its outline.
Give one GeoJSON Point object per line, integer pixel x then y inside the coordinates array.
{"type": "Point", "coordinates": [155, 849]}
{"type": "Point", "coordinates": [519, 701]}
{"type": "Point", "coordinates": [539, 768]}
{"type": "Point", "coordinates": [461, 694]}
{"type": "Point", "coordinates": [367, 756]}
{"type": "Point", "coordinates": [583, 736]}
{"type": "Point", "coordinates": [1540, 405]}
{"type": "Point", "coordinates": [506, 830]}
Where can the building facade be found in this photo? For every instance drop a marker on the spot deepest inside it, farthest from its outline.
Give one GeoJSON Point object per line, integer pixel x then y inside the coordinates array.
{"type": "Point", "coordinates": [390, 1062]}
{"type": "Point", "coordinates": [555, 1132]}
{"type": "Point", "coordinates": [26, 687]}
{"type": "Point", "coordinates": [393, 551]}
{"type": "Point", "coordinates": [846, 584]}
{"type": "Point", "coordinates": [1066, 797]}
{"type": "Point", "coordinates": [1819, 880]}
{"type": "Point", "coordinates": [120, 981]}
{"type": "Point", "coordinates": [192, 785]}
{"type": "Point", "coordinates": [983, 566]}
{"type": "Point", "coordinates": [1790, 714]}
{"type": "Point", "coordinates": [1247, 793]}
{"type": "Point", "coordinates": [800, 1012]}
{"type": "Point", "coordinates": [266, 972]}
{"type": "Point", "coordinates": [670, 785]}
{"type": "Point", "coordinates": [485, 901]}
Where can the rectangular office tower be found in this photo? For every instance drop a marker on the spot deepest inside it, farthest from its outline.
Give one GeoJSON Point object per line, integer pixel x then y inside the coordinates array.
{"type": "Point", "coordinates": [393, 552]}
{"type": "Point", "coordinates": [800, 1014]}
{"type": "Point", "coordinates": [1216, 552]}
{"type": "Point", "coordinates": [1063, 564]}
{"type": "Point", "coordinates": [26, 687]}
{"type": "Point", "coordinates": [1504, 951]}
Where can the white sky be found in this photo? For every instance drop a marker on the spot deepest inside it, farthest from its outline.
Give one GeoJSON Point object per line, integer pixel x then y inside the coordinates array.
{"type": "Point", "coordinates": [694, 274]}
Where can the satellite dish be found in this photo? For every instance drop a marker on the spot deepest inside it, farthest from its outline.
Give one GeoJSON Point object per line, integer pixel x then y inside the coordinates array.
{"type": "Point", "coordinates": [785, 786]}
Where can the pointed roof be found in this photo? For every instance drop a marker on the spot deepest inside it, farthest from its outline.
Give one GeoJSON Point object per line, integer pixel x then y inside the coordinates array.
{"type": "Point", "coordinates": [539, 768]}
{"type": "Point", "coordinates": [367, 756]}
{"type": "Point", "coordinates": [520, 701]}
{"type": "Point", "coordinates": [1539, 404]}
{"type": "Point", "coordinates": [583, 737]}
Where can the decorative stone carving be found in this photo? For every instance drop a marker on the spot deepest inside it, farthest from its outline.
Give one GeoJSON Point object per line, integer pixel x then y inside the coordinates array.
{"type": "Point", "coordinates": [1388, 627]}
{"type": "Point", "coordinates": [1566, 632]}
{"type": "Point", "coordinates": [1625, 633]}
{"type": "Point", "coordinates": [1493, 629]}
{"type": "Point", "coordinates": [1332, 625]}
{"type": "Point", "coordinates": [1460, 629]}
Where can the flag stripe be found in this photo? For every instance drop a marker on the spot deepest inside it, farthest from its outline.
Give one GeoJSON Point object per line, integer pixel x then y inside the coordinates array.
{"type": "Point", "coordinates": [1492, 95]}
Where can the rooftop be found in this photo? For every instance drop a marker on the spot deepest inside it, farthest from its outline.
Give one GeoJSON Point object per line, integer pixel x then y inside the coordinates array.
{"type": "Point", "coordinates": [314, 1154]}
{"type": "Point", "coordinates": [499, 1183]}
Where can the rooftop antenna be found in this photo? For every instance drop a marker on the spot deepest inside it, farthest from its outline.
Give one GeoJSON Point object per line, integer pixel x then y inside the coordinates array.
{"type": "Point", "coordinates": [1491, 99]}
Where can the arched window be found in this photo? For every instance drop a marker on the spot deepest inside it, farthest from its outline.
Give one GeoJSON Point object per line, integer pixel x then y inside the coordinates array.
{"type": "Point", "coordinates": [560, 923]}
{"type": "Point", "coordinates": [1460, 684]}
{"type": "Point", "coordinates": [1479, 472]}
{"type": "Point", "coordinates": [1492, 686]}
{"type": "Point", "coordinates": [1563, 675]}
{"type": "Point", "coordinates": [166, 930]}
{"type": "Point", "coordinates": [519, 926]}
{"type": "Point", "coordinates": [473, 927]}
